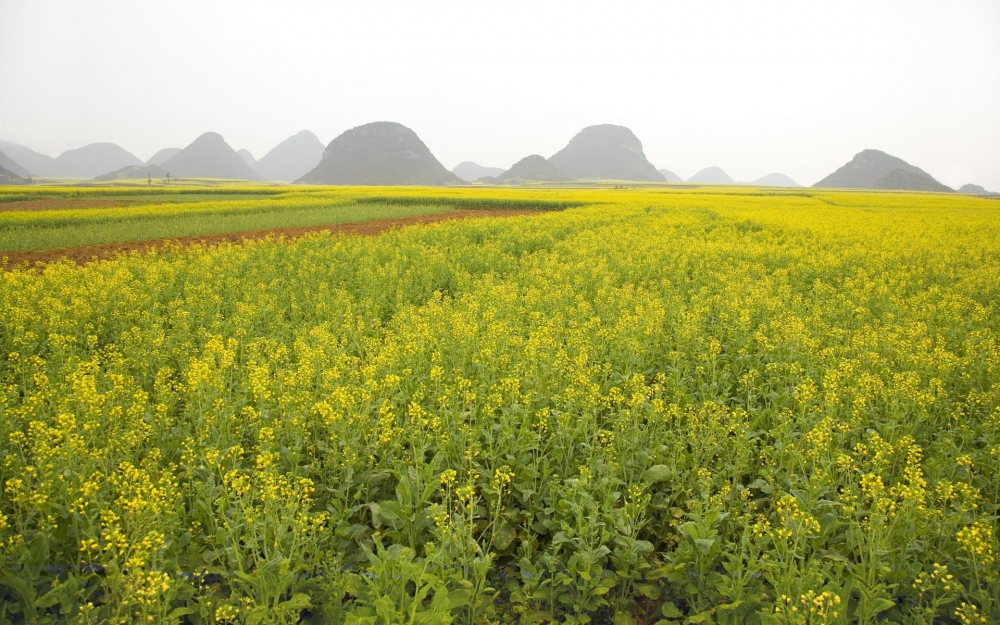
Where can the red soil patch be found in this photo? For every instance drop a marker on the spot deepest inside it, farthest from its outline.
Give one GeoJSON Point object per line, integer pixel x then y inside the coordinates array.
{"type": "Point", "coordinates": [60, 203]}
{"type": "Point", "coordinates": [82, 255]}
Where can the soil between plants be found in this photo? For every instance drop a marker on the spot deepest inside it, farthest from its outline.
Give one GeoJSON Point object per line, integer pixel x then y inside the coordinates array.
{"type": "Point", "coordinates": [89, 253]}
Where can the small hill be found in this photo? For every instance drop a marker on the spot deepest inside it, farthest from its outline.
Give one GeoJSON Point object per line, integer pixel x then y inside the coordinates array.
{"type": "Point", "coordinates": [608, 152]}
{"type": "Point", "coordinates": [534, 168]}
{"type": "Point", "coordinates": [134, 172]}
{"type": "Point", "coordinates": [470, 172]}
{"type": "Point", "coordinates": [711, 175]}
{"type": "Point", "coordinates": [380, 153]}
{"type": "Point", "coordinates": [905, 179]}
{"type": "Point", "coordinates": [670, 176]}
{"type": "Point", "coordinates": [973, 189]}
{"type": "Point", "coordinates": [209, 156]}
{"type": "Point", "coordinates": [248, 158]}
{"type": "Point", "coordinates": [13, 167]}
{"type": "Point", "coordinates": [27, 158]}
{"type": "Point", "coordinates": [292, 158]}
{"type": "Point", "coordinates": [775, 180]}
{"type": "Point", "coordinates": [91, 160]}
{"type": "Point", "coordinates": [161, 157]}
{"type": "Point", "coordinates": [9, 177]}
{"type": "Point", "coordinates": [869, 166]}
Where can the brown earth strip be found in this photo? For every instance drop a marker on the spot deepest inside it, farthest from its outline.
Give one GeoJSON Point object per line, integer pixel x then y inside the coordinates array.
{"type": "Point", "coordinates": [85, 254]}
{"type": "Point", "coordinates": [59, 203]}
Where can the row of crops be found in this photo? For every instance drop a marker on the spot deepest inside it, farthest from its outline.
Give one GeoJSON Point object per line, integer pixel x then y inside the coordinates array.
{"type": "Point", "coordinates": [651, 407]}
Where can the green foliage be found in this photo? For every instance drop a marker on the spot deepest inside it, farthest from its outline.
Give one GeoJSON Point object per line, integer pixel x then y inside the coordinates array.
{"type": "Point", "coordinates": [659, 408]}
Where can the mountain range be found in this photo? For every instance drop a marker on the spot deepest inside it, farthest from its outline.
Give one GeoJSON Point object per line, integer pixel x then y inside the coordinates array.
{"type": "Point", "coordinates": [389, 153]}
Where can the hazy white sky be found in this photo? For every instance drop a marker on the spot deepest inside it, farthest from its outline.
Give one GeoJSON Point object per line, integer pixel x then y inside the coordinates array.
{"type": "Point", "coordinates": [753, 87]}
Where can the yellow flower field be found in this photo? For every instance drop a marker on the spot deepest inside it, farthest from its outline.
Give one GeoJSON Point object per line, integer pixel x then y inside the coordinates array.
{"type": "Point", "coordinates": [699, 405]}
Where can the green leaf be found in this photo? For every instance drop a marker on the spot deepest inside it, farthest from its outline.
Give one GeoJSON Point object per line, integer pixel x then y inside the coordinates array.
{"type": "Point", "coordinates": [881, 605]}
{"type": "Point", "coordinates": [731, 606]}
{"type": "Point", "coordinates": [701, 617]}
{"type": "Point", "coordinates": [705, 544]}
{"type": "Point", "coordinates": [504, 535]}
{"type": "Point", "coordinates": [669, 610]}
{"type": "Point", "coordinates": [177, 613]}
{"type": "Point", "coordinates": [623, 618]}
{"type": "Point", "coordinates": [376, 511]}
{"type": "Point", "coordinates": [459, 599]}
{"type": "Point", "coordinates": [391, 510]}
{"type": "Point", "coordinates": [650, 591]}
{"type": "Point", "coordinates": [298, 602]}
{"type": "Point", "coordinates": [657, 473]}
{"type": "Point", "coordinates": [833, 555]}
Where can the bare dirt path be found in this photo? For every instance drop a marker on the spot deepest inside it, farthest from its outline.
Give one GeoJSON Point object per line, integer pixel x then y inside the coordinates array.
{"type": "Point", "coordinates": [85, 254]}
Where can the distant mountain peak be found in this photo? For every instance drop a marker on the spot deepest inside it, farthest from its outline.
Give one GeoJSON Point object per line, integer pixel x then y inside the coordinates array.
{"type": "Point", "coordinates": [775, 180]}
{"type": "Point", "coordinates": [292, 158]}
{"type": "Point", "coordinates": [470, 172]}
{"type": "Point", "coordinates": [91, 160]}
{"type": "Point", "coordinates": [9, 177]}
{"type": "Point", "coordinates": [28, 159]}
{"type": "Point", "coordinates": [874, 169]}
{"type": "Point", "coordinates": [711, 175]}
{"type": "Point", "coordinates": [670, 176]}
{"type": "Point", "coordinates": [975, 189]}
{"type": "Point", "coordinates": [161, 156]}
{"type": "Point", "coordinates": [379, 153]}
{"type": "Point", "coordinates": [13, 167]}
{"type": "Point", "coordinates": [209, 156]}
{"type": "Point", "coordinates": [248, 158]}
{"type": "Point", "coordinates": [133, 172]}
{"type": "Point", "coordinates": [608, 152]}
{"type": "Point", "coordinates": [533, 168]}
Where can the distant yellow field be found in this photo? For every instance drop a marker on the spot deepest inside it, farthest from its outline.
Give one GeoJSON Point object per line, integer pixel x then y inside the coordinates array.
{"type": "Point", "coordinates": [674, 405]}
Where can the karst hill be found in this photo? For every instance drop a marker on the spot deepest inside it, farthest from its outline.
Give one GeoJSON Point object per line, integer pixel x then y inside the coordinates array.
{"type": "Point", "coordinates": [163, 155]}
{"type": "Point", "coordinates": [133, 172]}
{"type": "Point", "coordinates": [470, 172]}
{"type": "Point", "coordinates": [91, 160]}
{"type": "Point", "coordinates": [379, 153]}
{"type": "Point", "coordinates": [534, 168]}
{"type": "Point", "coordinates": [874, 169]}
{"type": "Point", "coordinates": [292, 158]}
{"type": "Point", "coordinates": [711, 175]}
{"type": "Point", "coordinates": [209, 156]}
{"type": "Point", "coordinates": [606, 152]}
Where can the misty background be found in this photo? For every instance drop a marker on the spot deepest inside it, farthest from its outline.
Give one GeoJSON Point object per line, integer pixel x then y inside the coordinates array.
{"type": "Point", "coordinates": [753, 88]}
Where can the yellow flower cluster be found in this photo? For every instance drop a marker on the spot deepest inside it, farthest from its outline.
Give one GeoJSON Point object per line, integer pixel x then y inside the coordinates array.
{"type": "Point", "coordinates": [978, 542]}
